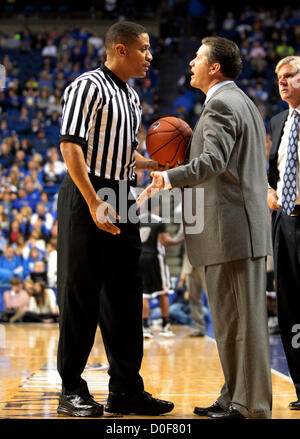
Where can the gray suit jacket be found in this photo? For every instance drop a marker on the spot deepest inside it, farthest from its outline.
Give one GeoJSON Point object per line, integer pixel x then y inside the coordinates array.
{"type": "Point", "coordinates": [228, 160]}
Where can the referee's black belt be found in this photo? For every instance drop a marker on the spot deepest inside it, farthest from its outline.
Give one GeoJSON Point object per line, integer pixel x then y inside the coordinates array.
{"type": "Point", "coordinates": [296, 210]}
{"type": "Point", "coordinates": [105, 182]}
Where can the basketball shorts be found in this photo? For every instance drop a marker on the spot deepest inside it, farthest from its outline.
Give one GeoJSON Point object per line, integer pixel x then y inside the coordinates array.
{"type": "Point", "coordinates": [155, 274]}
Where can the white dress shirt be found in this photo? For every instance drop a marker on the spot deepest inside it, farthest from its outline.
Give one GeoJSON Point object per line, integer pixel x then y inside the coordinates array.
{"type": "Point", "coordinates": [210, 93]}
{"type": "Point", "coordinates": [282, 155]}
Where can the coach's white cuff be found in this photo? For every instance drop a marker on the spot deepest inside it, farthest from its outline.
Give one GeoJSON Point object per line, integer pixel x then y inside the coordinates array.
{"type": "Point", "coordinates": [166, 180]}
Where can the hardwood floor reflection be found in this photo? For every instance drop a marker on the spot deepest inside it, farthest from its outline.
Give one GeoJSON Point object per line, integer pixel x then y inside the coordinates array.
{"type": "Point", "coordinates": [182, 369]}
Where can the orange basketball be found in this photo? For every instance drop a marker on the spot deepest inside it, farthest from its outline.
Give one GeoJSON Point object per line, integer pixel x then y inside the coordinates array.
{"type": "Point", "coordinates": [167, 140]}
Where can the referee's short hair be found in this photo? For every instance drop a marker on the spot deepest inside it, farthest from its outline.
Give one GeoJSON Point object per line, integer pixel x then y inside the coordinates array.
{"type": "Point", "coordinates": [123, 32]}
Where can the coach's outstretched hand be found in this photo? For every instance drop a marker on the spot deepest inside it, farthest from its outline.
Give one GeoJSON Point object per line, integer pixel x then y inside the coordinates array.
{"type": "Point", "coordinates": [156, 186]}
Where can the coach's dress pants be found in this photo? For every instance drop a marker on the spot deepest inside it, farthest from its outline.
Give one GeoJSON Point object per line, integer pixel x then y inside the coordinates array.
{"type": "Point", "coordinates": [98, 283]}
{"type": "Point", "coordinates": [237, 300]}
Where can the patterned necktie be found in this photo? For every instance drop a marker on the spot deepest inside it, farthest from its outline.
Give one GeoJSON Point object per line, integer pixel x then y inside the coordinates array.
{"type": "Point", "coordinates": [289, 178]}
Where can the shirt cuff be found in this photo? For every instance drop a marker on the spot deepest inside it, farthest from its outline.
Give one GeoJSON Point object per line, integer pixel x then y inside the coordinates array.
{"type": "Point", "coordinates": [166, 180]}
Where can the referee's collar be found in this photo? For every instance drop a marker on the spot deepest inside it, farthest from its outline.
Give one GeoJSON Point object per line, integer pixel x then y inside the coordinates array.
{"type": "Point", "coordinates": [114, 77]}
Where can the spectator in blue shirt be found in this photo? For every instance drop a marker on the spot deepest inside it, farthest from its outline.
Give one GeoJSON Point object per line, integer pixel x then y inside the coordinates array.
{"type": "Point", "coordinates": [23, 123]}
{"type": "Point", "coordinates": [21, 200]}
{"type": "Point", "coordinates": [34, 255]}
{"type": "Point", "coordinates": [41, 143]}
{"type": "Point", "coordinates": [11, 265]}
{"type": "Point", "coordinates": [195, 17]}
{"type": "Point", "coordinates": [46, 202]}
{"type": "Point", "coordinates": [183, 101]}
{"type": "Point", "coordinates": [6, 201]}
{"type": "Point", "coordinates": [3, 241]}
{"type": "Point", "coordinates": [33, 195]}
{"type": "Point", "coordinates": [195, 8]}
{"type": "Point", "coordinates": [45, 80]}
{"type": "Point", "coordinates": [6, 156]}
{"type": "Point", "coordinates": [4, 221]}
{"type": "Point", "coordinates": [45, 217]}
{"type": "Point", "coordinates": [20, 161]}
{"type": "Point", "coordinates": [24, 218]}
{"type": "Point", "coordinates": [33, 166]}
{"type": "Point", "coordinates": [4, 130]}
{"type": "Point", "coordinates": [13, 101]}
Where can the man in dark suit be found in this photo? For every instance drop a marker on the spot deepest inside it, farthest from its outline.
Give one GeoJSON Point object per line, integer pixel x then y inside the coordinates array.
{"type": "Point", "coordinates": [227, 160]}
{"type": "Point", "coordinates": [284, 198]}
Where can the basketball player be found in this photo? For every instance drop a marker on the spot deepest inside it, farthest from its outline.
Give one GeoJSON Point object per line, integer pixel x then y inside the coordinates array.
{"type": "Point", "coordinates": [154, 269]}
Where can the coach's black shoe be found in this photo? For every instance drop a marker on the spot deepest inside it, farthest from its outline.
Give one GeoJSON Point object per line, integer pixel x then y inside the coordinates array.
{"type": "Point", "coordinates": [139, 403]}
{"type": "Point", "coordinates": [79, 405]}
{"type": "Point", "coordinates": [230, 413]}
{"type": "Point", "coordinates": [202, 411]}
{"type": "Point", "coordinates": [295, 405]}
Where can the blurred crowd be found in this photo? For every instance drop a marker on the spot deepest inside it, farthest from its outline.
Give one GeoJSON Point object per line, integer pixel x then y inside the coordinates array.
{"type": "Point", "coordinates": [38, 65]}
{"type": "Point", "coordinates": [263, 34]}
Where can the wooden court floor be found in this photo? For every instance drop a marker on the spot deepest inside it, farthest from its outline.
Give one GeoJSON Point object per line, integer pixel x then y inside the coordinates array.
{"type": "Point", "coordinates": [182, 369]}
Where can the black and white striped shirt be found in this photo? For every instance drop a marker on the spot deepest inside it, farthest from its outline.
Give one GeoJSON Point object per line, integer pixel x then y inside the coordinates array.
{"type": "Point", "coordinates": [103, 114]}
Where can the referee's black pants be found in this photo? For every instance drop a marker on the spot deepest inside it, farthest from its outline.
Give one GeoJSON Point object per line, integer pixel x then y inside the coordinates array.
{"type": "Point", "coordinates": [98, 283]}
{"type": "Point", "coordinates": [286, 236]}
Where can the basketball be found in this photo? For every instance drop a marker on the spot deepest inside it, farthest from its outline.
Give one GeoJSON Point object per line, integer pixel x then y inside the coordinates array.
{"type": "Point", "coordinates": [167, 140]}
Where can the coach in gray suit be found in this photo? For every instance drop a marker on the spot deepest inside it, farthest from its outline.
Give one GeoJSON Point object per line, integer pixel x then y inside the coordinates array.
{"type": "Point", "coordinates": [227, 158]}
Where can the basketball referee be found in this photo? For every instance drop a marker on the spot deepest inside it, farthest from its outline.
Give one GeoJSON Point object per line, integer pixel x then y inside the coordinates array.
{"type": "Point", "coordinates": [98, 253]}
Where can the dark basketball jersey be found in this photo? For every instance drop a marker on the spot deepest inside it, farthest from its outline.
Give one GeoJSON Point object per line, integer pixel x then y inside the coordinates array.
{"type": "Point", "coordinates": [149, 235]}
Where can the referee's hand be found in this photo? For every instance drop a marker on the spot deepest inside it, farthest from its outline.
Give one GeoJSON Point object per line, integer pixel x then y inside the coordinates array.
{"type": "Point", "coordinates": [103, 216]}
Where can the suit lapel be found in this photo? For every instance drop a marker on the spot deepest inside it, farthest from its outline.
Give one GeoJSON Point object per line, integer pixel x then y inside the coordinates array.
{"type": "Point", "coordinates": [232, 86]}
{"type": "Point", "coordinates": [276, 125]}
{"type": "Point", "coordinates": [188, 148]}
{"type": "Point", "coordinates": [277, 128]}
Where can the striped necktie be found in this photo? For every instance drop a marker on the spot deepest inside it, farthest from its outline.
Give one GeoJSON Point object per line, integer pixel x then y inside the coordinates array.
{"type": "Point", "coordinates": [289, 178]}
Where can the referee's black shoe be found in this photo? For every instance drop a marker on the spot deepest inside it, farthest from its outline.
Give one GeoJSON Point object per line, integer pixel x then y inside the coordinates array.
{"type": "Point", "coordinates": [79, 405]}
{"type": "Point", "coordinates": [138, 403]}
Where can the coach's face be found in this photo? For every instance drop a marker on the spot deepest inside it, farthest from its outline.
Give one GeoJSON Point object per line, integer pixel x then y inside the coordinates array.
{"type": "Point", "coordinates": [200, 69]}
{"type": "Point", "coordinates": [289, 84]}
{"type": "Point", "coordinates": [138, 56]}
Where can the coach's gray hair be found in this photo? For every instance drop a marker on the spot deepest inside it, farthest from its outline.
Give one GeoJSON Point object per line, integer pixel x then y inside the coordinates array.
{"type": "Point", "coordinates": [292, 60]}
